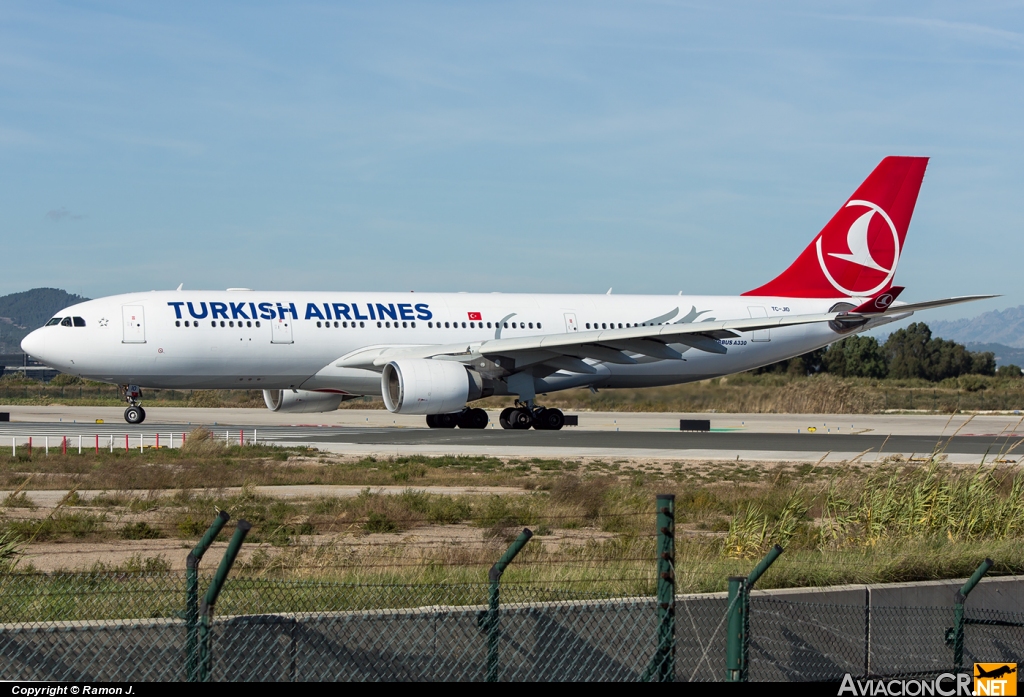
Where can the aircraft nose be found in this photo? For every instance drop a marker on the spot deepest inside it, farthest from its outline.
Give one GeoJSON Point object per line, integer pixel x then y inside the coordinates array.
{"type": "Point", "coordinates": [33, 344]}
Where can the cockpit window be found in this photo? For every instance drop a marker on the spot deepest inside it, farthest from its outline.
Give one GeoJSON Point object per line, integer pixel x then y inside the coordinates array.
{"type": "Point", "coordinates": [55, 320]}
{"type": "Point", "coordinates": [66, 322]}
{"type": "Point", "coordinates": [79, 322]}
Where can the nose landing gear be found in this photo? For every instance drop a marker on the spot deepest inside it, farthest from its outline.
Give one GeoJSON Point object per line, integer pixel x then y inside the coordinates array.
{"type": "Point", "coordinates": [132, 394]}
{"type": "Point", "coordinates": [522, 417]}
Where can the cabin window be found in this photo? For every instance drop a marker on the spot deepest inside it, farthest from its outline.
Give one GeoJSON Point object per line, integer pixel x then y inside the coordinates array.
{"type": "Point", "coordinates": [213, 324]}
{"type": "Point", "coordinates": [413, 325]}
{"type": "Point", "coordinates": [446, 325]}
{"type": "Point", "coordinates": [257, 324]}
{"type": "Point", "coordinates": [405, 325]}
{"type": "Point", "coordinates": [55, 320]}
{"type": "Point", "coordinates": [379, 325]}
{"type": "Point", "coordinates": [531, 325]}
{"type": "Point", "coordinates": [186, 323]}
{"type": "Point", "coordinates": [177, 323]}
{"type": "Point", "coordinates": [506, 325]}
{"type": "Point", "coordinates": [538, 325]}
{"type": "Point", "coordinates": [463, 325]}
{"type": "Point", "coordinates": [318, 324]}
{"type": "Point", "coordinates": [362, 324]}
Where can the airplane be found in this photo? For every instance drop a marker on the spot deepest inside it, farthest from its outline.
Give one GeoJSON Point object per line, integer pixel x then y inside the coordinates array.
{"type": "Point", "coordinates": [995, 672]}
{"type": "Point", "coordinates": [433, 354]}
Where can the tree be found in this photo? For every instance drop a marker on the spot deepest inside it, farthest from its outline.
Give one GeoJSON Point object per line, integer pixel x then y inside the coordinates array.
{"type": "Point", "coordinates": [1009, 371]}
{"type": "Point", "coordinates": [913, 353]}
{"type": "Point", "coordinates": [856, 357]}
{"type": "Point", "coordinates": [906, 351]}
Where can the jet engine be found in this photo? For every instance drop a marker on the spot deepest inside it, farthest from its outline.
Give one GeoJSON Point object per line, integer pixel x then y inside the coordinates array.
{"type": "Point", "coordinates": [424, 386]}
{"type": "Point", "coordinates": [301, 401]}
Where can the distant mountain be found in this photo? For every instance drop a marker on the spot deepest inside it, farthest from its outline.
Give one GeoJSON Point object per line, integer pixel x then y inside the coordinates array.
{"type": "Point", "coordinates": [1005, 355]}
{"type": "Point", "coordinates": [20, 313]}
{"type": "Point", "coordinates": [1004, 327]}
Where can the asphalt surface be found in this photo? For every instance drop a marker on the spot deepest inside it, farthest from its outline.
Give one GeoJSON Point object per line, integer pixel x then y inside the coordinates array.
{"type": "Point", "coordinates": [567, 439]}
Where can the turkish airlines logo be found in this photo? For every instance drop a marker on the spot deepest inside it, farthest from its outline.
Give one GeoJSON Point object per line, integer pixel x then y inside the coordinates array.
{"type": "Point", "coordinates": [883, 301]}
{"type": "Point", "coordinates": [872, 255]}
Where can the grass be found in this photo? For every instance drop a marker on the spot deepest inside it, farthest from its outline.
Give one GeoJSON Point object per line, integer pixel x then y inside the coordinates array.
{"type": "Point", "coordinates": [742, 393]}
{"type": "Point", "coordinates": [852, 523]}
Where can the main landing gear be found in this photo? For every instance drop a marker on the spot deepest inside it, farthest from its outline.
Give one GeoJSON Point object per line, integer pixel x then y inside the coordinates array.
{"type": "Point", "coordinates": [522, 417]}
{"type": "Point", "coordinates": [467, 418]}
{"type": "Point", "coordinates": [132, 394]}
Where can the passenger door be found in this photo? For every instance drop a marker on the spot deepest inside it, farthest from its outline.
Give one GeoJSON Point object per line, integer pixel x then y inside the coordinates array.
{"type": "Point", "coordinates": [281, 331]}
{"type": "Point", "coordinates": [134, 323]}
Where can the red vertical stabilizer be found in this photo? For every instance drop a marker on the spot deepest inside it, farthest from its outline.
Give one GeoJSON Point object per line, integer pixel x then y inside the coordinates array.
{"type": "Point", "coordinates": [856, 253]}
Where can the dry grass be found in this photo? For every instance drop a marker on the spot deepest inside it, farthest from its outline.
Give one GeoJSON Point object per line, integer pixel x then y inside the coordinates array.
{"type": "Point", "coordinates": [594, 520]}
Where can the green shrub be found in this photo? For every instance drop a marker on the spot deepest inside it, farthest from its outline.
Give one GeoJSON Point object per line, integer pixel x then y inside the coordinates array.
{"type": "Point", "coordinates": [139, 531]}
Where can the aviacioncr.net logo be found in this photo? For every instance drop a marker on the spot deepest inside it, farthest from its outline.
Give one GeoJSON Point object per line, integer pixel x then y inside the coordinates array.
{"type": "Point", "coordinates": [874, 264]}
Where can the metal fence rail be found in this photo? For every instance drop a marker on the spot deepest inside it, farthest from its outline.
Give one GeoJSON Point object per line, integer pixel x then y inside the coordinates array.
{"type": "Point", "coordinates": [130, 627]}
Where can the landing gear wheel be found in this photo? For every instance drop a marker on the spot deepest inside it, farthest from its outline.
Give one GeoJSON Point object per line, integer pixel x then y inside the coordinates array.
{"type": "Point", "coordinates": [548, 420]}
{"type": "Point", "coordinates": [446, 420]}
{"type": "Point", "coordinates": [521, 419]}
{"type": "Point", "coordinates": [503, 418]}
{"type": "Point", "coordinates": [473, 418]}
{"type": "Point", "coordinates": [135, 415]}
{"type": "Point", "coordinates": [431, 421]}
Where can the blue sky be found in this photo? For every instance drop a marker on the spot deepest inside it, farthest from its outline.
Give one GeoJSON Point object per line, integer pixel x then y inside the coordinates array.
{"type": "Point", "coordinates": [563, 147]}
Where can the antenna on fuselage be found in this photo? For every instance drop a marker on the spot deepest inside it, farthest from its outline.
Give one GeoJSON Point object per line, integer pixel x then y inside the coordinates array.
{"type": "Point", "coordinates": [609, 292]}
{"type": "Point", "coordinates": [180, 286]}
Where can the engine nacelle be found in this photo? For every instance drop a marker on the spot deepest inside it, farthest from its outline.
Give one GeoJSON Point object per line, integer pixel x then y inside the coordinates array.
{"type": "Point", "coordinates": [301, 401]}
{"type": "Point", "coordinates": [425, 386]}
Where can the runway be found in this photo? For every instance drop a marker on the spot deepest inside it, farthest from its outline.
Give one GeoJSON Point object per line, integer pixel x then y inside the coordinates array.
{"type": "Point", "coordinates": [836, 438]}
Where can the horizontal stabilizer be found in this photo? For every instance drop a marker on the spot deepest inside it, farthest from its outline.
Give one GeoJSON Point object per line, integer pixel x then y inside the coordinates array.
{"type": "Point", "coordinates": [927, 305]}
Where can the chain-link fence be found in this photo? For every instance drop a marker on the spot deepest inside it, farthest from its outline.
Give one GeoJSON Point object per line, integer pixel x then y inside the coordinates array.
{"type": "Point", "coordinates": [130, 627]}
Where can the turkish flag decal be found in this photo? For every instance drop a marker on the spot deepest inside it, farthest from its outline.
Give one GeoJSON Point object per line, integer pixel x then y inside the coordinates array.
{"type": "Point", "coordinates": [475, 316]}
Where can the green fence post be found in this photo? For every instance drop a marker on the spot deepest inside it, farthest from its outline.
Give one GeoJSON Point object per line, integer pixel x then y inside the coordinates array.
{"type": "Point", "coordinates": [735, 640]}
{"type": "Point", "coordinates": [489, 621]}
{"type": "Point", "coordinates": [206, 609]}
{"type": "Point", "coordinates": [960, 598]}
{"type": "Point", "coordinates": [662, 667]}
{"type": "Point", "coordinates": [192, 595]}
{"type": "Point", "coordinates": [739, 617]}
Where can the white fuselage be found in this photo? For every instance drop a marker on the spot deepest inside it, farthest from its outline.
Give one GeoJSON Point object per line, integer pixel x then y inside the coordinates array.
{"type": "Point", "coordinates": [279, 340]}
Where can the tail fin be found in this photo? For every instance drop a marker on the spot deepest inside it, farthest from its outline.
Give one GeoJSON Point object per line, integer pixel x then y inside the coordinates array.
{"type": "Point", "coordinates": [856, 253]}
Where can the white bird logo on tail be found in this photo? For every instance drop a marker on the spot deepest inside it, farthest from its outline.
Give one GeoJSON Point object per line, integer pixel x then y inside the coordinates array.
{"type": "Point", "coordinates": [857, 239]}
{"type": "Point", "coordinates": [860, 250]}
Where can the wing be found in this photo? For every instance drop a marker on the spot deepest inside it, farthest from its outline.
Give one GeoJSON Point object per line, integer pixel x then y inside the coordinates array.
{"type": "Point", "coordinates": [568, 351]}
